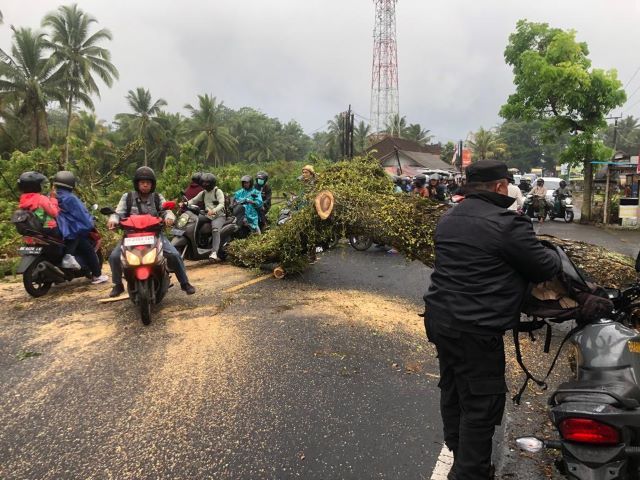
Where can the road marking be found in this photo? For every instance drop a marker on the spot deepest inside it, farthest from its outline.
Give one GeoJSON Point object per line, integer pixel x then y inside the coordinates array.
{"type": "Point", "coordinates": [246, 284]}
{"type": "Point", "coordinates": [443, 465]}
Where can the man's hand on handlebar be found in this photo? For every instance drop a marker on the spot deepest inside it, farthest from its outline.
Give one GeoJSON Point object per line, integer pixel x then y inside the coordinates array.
{"type": "Point", "coordinates": [168, 222]}
{"type": "Point", "coordinates": [112, 224]}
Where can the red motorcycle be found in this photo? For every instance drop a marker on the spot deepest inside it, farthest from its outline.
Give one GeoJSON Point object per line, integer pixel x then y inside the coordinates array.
{"type": "Point", "coordinates": [144, 264]}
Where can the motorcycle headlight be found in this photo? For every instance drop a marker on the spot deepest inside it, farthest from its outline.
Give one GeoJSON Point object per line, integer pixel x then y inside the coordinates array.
{"type": "Point", "coordinates": [182, 221]}
{"type": "Point", "coordinates": [150, 257]}
{"type": "Point", "coordinates": [132, 258]}
{"type": "Point", "coordinates": [567, 201]}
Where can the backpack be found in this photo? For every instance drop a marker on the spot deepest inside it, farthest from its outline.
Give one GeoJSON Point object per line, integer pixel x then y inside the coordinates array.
{"type": "Point", "coordinates": [129, 203]}
{"type": "Point", "coordinates": [26, 222]}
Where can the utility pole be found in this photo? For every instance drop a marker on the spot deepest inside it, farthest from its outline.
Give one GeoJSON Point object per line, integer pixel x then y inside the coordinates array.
{"type": "Point", "coordinates": [605, 212]}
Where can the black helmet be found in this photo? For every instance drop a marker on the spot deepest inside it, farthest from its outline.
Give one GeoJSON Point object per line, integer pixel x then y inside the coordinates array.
{"type": "Point", "coordinates": [208, 181]}
{"type": "Point", "coordinates": [563, 183]}
{"type": "Point", "coordinates": [31, 182]}
{"type": "Point", "coordinates": [144, 173]}
{"type": "Point", "coordinates": [540, 181]}
{"type": "Point", "coordinates": [247, 178]}
{"type": "Point", "coordinates": [65, 179]}
{"type": "Point", "coordinates": [262, 175]}
{"type": "Point", "coordinates": [196, 177]}
{"type": "Point", "coordinates": [420, 180]}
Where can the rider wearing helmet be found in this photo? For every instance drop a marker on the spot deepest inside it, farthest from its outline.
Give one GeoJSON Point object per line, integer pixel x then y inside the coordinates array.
{"type": "Point", "coordinates": [145, 200]}
{"type": "Point", "coordinates": [194, 187]}
{"type": "Point", "coordinates": [264, 188]}
{"type": "Point", "coordinates": [420, 186]}
{"type": "Point", "coordinates": [539, 193]}
{"type": "Point", "coordinates": [251, 199]}
{"type": "Point", "coordinates": [75, 224]}
{"type": "Point", "coordinates": [213, 199]}
{"type": "Point", "coordinates": [563, 190]}
{"type": "Point", "coordinates": [43, 207]}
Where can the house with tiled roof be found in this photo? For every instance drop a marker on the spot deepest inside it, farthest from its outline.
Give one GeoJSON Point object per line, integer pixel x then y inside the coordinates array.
{"type": "Point", "coordinates": [399, 156]}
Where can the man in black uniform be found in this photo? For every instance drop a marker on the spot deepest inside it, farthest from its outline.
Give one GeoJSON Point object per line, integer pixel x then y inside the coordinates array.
{"type": "Point", "coordinates": [485, 258]}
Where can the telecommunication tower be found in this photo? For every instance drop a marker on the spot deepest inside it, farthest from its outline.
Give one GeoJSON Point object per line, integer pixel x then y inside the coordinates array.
{"type": "Point", "coordinates": [384, 75]}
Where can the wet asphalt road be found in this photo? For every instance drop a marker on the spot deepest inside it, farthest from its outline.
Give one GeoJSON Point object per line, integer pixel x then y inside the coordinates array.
{"type": "Point", "coordinates": [320, 376]}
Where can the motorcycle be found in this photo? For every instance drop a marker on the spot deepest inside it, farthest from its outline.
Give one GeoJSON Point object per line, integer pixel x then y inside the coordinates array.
{"type": "Point", "coordinates": [530, 207]}
{"type": "Point", "coordinates": [562, 208]}
{"type": "Point", "coordinates": [41, 267]}
{"type": "Point", "coordinates": [598, 413]}
{"type": "Point", "coordinates": [192, 234]}
{"type": "Point", "coordinates": [144, 264]}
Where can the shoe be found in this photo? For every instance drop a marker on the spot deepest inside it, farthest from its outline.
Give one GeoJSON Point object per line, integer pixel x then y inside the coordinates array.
{"type": "Point", "coordinates": [70, 262]}
{"type": "Point", "coordinates": [214, 257]}
{"type": "Point", "coordinates": [188, 288]}
{"type": "Point", "coordinates": [393, 251]}
{"type": "Point", "coordinates": [100, 279]}
{"type": "Point", "coordinates": [116, 291]}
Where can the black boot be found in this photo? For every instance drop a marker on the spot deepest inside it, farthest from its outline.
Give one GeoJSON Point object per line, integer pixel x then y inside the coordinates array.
{"type": "Point", "coordinates": [117, 290]}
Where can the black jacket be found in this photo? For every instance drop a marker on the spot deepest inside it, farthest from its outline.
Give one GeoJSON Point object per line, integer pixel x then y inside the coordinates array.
{"type": "Point", "coordinates": [486, 257]}
{"type": "Point", "coordinates": [265, 190]}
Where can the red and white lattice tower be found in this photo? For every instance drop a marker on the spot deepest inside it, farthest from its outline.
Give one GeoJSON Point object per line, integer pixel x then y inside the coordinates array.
{"type": "Point", "coordinates": [384, 75]}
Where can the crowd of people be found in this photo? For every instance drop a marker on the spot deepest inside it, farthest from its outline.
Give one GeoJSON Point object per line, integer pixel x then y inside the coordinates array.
{"type": "Point", "coordinates": [437, 187]}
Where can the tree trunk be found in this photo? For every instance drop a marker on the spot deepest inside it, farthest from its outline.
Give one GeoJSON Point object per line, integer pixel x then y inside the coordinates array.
{"type": "Point", "coordinates": [66, 138]}
{"type": "Point", "coordinates": [403, 221]}
{"type": "Point", "coordinates": [585, 213]}
{"type": "Point", "coordinates": [145, 153]}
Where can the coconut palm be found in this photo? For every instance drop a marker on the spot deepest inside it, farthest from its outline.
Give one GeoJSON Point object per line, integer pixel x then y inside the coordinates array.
{"type": "Point", "coordinates": [79, 57]}
{"type": "Point", "coordinates": [210, 135]}
{"type": "Point", "coordinates": [264, 145]}
{"type": "Point", "coordinates": [172, 134]}
{"type": "Point", "coordinates": [27, 76]}
{"type": "Point", "coordinates": [361, 136]}
{"type": "Point", "coordinates": [417, 134]}
{"type": "Point", "coordinates": [143, 119]}
{"type": "Point", "coordinates": [485, 144]}
{"type": "Point", "coordinates": [396, 126]}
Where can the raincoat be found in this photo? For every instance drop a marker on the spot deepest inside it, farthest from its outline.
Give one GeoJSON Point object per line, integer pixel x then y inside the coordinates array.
{"type": "Point", "coordinates": [250, 211]}
{"type": "Point", "coordinates": [43, 207]}
{"type": "Point", "coordinates": [74, 219]}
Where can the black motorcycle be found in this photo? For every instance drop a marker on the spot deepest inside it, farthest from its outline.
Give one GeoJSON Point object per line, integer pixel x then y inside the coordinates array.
{"type": "Point", "coordinates": [40, 265]}
{"type": "Point", "coordinates": [562, 208]}
{"type": "Point", "coordinates": [597, 414]}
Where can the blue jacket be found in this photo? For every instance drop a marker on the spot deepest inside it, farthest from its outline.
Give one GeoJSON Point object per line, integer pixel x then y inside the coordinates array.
{"type": "Point", "coordinates": [250, 211]}
{"type": "Point", "coordinates": [74, 219]}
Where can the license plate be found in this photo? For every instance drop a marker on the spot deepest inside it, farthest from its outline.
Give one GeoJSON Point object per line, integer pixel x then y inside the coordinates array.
{"type": "Point", "coordinates": [177, 232]}
{"type": "Point", "coordinates": [135, 241]}
{"type": "Point", "coordinates": [30, 250]}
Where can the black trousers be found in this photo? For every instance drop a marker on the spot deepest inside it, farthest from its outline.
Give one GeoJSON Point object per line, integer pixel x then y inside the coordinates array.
{"type": "Point", "coordinates": [472, 395]}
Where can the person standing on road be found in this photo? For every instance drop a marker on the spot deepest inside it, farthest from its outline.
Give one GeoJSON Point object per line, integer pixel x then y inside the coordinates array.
{"type": "Point", "coordinates": [485, 258]}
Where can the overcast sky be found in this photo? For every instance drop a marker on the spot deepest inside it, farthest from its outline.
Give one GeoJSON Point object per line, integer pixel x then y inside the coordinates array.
{"type": "Point", "coordinates": [308, 59]}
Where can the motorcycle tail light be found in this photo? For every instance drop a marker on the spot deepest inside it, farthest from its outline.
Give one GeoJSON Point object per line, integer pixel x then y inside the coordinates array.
{"type": "Point", "coordinates": [150, 257]}
{"type": "Point", "coordinates": [585, 430]}
{"type": "Point", "coordinates": [29, 240]}
{"type": "Point", "coordinates": [132, 258]}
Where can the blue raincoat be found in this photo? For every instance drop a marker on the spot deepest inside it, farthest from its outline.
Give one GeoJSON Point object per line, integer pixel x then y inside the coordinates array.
{"type": "Point", "coordinates": [250, 211]}
{"type": "Point", "coordinates": [74, 220]}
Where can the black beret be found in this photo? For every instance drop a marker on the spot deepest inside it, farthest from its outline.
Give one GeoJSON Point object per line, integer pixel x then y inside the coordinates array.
{"type": "Point", "coordinates": [487, 171]}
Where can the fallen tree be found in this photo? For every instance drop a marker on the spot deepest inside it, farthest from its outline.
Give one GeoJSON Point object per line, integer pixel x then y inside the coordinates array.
{"type": "Point", "coordinates": [356, 198]}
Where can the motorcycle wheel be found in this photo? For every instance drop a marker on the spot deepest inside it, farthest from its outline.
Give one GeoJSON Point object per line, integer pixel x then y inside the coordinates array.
{"type": "Point", "coordinates": [568, 216]}
{"type": "Point", "coordinates": [144, 301]}
{"type": "Point", "coordinates": [34, 287]}
{"type": "Point", "coordinates": [360, 242]}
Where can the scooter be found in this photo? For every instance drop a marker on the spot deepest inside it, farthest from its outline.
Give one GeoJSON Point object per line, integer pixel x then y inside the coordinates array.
{"type": "Point", "coordinates": [192, 234]}
{"type": "Point", "coordinates": [598, 413]}
{"type": "Point", "coordinates": [530, 207]}
{"type": "Point", "coordinates": [144, 264]}
{"type": "Point", "coordinates": [562, 208]}
{"type": "Point", "coordinates": [40, 265]}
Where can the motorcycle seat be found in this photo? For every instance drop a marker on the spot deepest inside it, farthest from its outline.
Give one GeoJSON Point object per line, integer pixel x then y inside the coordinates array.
{"type": "Point", "coordinates": [624, 395]}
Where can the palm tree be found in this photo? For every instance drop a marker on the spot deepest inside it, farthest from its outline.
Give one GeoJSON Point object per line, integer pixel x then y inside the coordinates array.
{"type": "Point", "coordinates": [417, 134]}
{"type": "Point", "coordinates": [485, 144]}
{"type": "Point", "coordinates": [361, 136]}
{"type": "Point", "coordinates": [87, 128]}
{"type": "Point", "coordinates": [143, 120]}
{"type": "Point", "coordinates": [78, 57]}
{"type": "Point", "coordinates": [264, 145]}
{"type": "Point", "coordinates": [397, 126]}
{"type": "Point", "coordinates": [173, 132]}
{"type": "Point", "coordinates": [27, 76]}
{"type": "Point", "coordinates": [208, 131]}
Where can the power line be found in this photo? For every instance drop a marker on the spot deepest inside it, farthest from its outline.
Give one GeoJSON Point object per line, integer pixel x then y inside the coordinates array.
{"type": "Point", "coordinates": [632, 77]}
{"type": "Point", "coordinates": [631, 96]}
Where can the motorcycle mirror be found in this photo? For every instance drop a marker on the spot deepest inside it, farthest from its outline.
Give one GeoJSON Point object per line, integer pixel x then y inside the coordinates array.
{"type": "Point", "coordinates": [169, 205]}
{"type": "Point", "coordinates": [107, 211]}
{"type": "Point", "coordinates": [530, 444]}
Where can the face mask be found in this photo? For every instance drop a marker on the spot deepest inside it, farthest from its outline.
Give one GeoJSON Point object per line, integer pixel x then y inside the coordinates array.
{"type": "Point", "coordinates": [260, 182]}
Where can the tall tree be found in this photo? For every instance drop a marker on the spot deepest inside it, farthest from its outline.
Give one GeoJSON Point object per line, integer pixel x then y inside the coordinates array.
{"type": "Point", "coordinates": [79, 58]}
{"type": "Point", "coordinates": [27, 77]}
{"type": "Point", "coordinates": [485, 144]}
{"type": "Point", "coordinates": [626, 138]}
{"type": "Point", "coordinates": [555, 83]}
{"type": "Point", "coordinates": [143, 118]}
{"type": "Point", "coordinates": [361, 136]}
{"type": "Point", "coordinates": [447, 151]}
{"type": "Point", "coordinates": [396, 126]}
{"type": "Point", "coordinates": [415, 132]}
{"type": "Point", "coordinates": [264, 146]}
{"type": "Point", "coordinates": [210, 135]}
